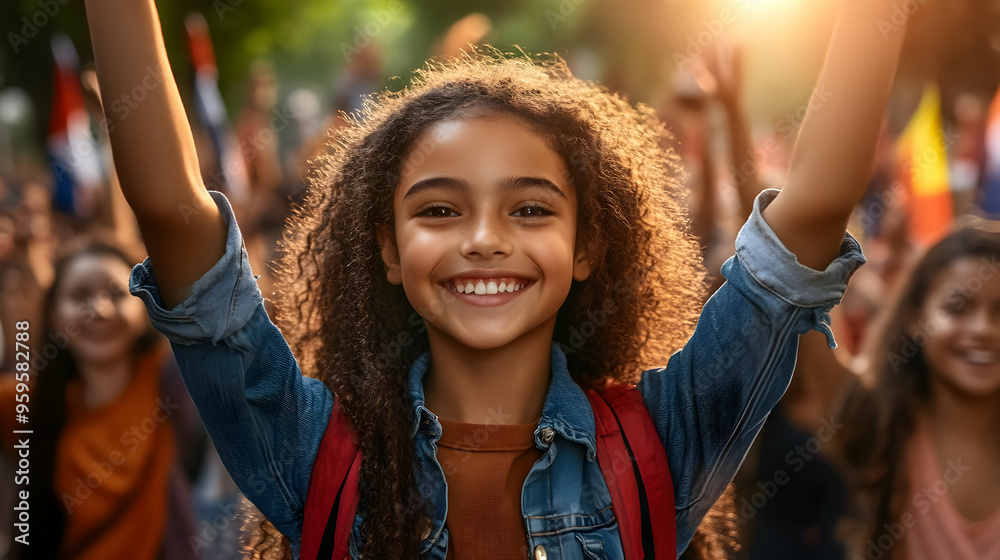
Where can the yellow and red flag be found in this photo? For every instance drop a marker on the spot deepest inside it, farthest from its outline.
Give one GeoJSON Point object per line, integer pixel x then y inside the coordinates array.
{"type": "Point", "coordinates": [923, 169]}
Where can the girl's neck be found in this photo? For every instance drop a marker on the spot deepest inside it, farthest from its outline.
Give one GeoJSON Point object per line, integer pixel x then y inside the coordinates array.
{"type": "Point", "coordinates": [505, 385]}
{"type": "Point", "coordinates": [103, 382]}
{"type": "Point", "coordinates": [963, 417]}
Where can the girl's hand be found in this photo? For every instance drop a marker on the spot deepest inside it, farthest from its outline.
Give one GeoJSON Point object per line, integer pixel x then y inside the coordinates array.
{"type": "Point", "coordinates": [835, 150]}
{"type": "Point", "coordinates": [724, 63]}
{"type": "Point", "coordinates": [152, 144]}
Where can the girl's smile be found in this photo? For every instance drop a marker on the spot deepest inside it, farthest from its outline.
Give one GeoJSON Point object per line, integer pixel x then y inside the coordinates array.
{"type": "Point", "coordinates": [487, 288]}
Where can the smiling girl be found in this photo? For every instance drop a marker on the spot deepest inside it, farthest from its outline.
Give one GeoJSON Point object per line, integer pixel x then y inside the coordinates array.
{"type": "Point", "coordinates": [923, 439]}
{"type": "Point", "coordinates": [472, 253]}
{"type": "Point", "coordinates": [102, 370]}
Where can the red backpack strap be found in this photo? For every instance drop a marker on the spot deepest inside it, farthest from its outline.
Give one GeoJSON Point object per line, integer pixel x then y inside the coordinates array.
{"type": "Point", "coordinates": [634, 464]}
{"type": "Point", "coordinates": [332, 501]}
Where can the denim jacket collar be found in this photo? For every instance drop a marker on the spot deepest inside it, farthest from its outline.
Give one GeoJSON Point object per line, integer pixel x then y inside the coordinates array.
{"type": "Point", "coordinates": [567, 410]}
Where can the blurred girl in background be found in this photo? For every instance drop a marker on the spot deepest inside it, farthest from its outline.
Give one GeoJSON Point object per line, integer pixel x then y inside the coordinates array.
{"type": "Point", "coordinates": [106, 407]}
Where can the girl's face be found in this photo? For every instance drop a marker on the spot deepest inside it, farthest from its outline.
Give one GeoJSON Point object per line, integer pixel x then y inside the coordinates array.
{"type": "Point", "coordinates": [94, 312]}
{"type": "Point", "coordinates": [485, 222]}
{"type": "Point", "coordinates": [960, 324]}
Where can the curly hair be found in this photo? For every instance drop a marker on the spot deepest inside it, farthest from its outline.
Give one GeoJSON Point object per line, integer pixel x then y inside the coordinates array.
{"type": "Point", "coordinates": [883, 408]}
{"type": "Point", "coordinates": [352, 329]}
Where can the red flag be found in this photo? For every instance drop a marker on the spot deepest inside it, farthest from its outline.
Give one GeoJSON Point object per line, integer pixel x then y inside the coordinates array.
{"type": "Point", "coordinates": [74, 156]}
{"type": "Point", "coordinates": [232, 177]}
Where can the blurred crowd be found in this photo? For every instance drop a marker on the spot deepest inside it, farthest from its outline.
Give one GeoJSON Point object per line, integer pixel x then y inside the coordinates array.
{"type": "Point", "coordinates": [118, 451]}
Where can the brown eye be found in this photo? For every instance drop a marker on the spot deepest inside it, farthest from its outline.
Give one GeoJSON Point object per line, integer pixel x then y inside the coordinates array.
{"type": "Point", "coordinates": [531, 211]}
{"type": "Point", "coordinates": [437, 212]}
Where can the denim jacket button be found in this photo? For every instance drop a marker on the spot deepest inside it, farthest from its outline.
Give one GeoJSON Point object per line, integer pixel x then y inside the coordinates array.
{"type": "Point", "coordinates": [547, 435]}
{"type": "Point", "coordinates": [540, 553]}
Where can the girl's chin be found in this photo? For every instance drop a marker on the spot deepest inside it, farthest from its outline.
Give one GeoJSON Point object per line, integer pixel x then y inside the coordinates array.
{"type": "Point", "coordinates": [975, 381]}
{"type": "Point", "coordinates": [99, 352]}
{"type": "Point", "coordinates": [480, 337]}
{"type": "Point", "coordinates": [485, 342]}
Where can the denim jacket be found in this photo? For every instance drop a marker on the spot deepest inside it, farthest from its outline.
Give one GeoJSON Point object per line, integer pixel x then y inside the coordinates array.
{"type": "Point", "coordinates": [708, 403]}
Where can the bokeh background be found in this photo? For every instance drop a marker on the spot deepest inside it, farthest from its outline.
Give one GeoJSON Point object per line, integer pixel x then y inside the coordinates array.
{"type": "Point", "coordinates": [263, 81]}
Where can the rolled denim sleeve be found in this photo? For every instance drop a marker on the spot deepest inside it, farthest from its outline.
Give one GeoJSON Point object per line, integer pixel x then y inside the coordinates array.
{"type": "Point", "coordinates": [712, 398]}
{"type": "Point", "coordinates": [265, 419]}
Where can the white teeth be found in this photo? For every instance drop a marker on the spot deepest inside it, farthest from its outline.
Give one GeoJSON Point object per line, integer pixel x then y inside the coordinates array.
{"type": "Point", "coordinates": [980, 357]}
{"type": "Point", "coordinates": [487, 286]}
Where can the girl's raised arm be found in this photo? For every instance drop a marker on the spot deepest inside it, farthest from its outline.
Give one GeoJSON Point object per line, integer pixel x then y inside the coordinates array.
{"type": "Point", "coordinates": [153, 146]}
{"type": "Point", "coordinates": [836, 146]}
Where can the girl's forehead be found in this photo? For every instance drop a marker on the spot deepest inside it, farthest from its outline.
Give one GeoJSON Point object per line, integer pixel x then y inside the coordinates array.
{"type": "Point", "coordinates": [100, 270]}
{"type": "Point", "coordinates": [482, 146]}
{"type": "Point", "coordinates": [967, 276]}
{"type": "Point", "coordinates": [478, 122]}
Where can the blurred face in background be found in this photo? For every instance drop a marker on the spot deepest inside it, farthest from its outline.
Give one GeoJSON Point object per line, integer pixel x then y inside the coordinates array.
{"type": "Point", "coordinates": [93, 312]}
{"type": "Point", "coordinates": [960, 322]}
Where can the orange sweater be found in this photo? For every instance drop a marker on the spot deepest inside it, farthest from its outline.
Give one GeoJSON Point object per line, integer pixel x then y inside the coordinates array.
{"type": "Point", "coordinates": [113, 466]}
{"type": "Point", "coordinates": [485, 466]}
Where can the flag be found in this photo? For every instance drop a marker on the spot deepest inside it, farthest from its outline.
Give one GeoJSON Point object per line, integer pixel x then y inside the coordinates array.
{"type": "Point", "coordinates": [73, 153]}
{"type": "Point", "coordinates": [923, 169]}
{"type": "Point", "coordinates": [989, 194]}
{"type": "Point", "coordinates": [231, 177]}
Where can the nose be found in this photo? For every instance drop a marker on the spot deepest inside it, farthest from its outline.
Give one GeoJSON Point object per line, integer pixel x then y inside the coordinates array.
{"type": "Point", "coordinates": [487, 236]}
{"type": "Point", "coordinates": [983, 323]}
{"type": "Point", "coordinates": [103, 306]}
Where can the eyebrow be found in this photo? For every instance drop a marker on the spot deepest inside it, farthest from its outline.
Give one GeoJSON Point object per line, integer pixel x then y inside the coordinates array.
{"type": "Point", "coordinates": [461, 185]}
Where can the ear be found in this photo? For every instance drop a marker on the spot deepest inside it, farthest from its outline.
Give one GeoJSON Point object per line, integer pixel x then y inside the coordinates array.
{"type": "Point", "coordinates": [390, 255]}
{"type": "Point", "coordinates": [582, 261]}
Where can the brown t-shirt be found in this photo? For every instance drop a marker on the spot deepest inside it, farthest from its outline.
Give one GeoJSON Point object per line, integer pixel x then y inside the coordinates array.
{"type": "Point", "coordinates": [485, 466]}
